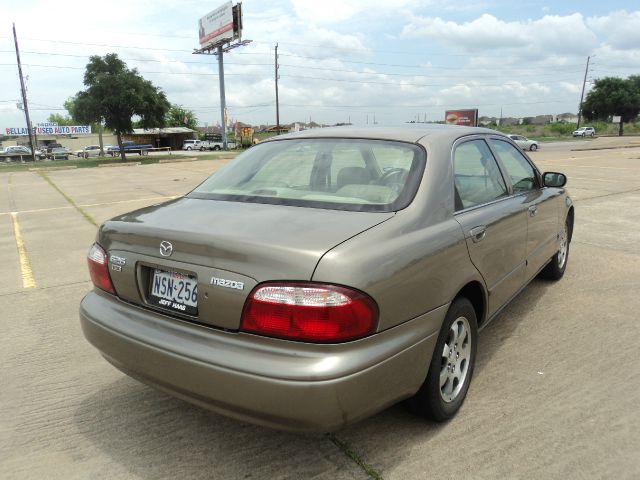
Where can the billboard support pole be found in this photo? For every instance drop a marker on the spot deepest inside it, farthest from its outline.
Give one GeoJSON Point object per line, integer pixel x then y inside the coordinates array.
{"type": "Point", "coordinates": [24, 97]}
{"type": "Point", "coordinates": [223, 102]}
{"type": "Point", "coordinates": [217, 31]}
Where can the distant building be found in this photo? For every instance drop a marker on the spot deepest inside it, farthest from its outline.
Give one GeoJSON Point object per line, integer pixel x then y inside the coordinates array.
{"type": "Point", "coordinates": [276, 129]}
{"type": "Point", "coordinates": [508, 121]}
{"type": "Point", "coordinates": [567, 118]}
{"type": "Point", "coordinates": [484, 121]}
{"type": "Point", "coordinates": [541, 119]}
{"type": "Point", "coordinates": [172, 137]}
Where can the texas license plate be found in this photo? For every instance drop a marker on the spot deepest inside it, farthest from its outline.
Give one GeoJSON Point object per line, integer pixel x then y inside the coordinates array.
{"type": "Point", "coordinates": [174, 291]}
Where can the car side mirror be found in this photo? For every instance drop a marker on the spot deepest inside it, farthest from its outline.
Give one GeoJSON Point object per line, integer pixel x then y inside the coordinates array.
{"type": "Point", "coordinates": [554, 179]}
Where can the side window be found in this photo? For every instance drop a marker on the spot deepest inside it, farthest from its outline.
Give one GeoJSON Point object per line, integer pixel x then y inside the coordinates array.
{"type": "Point", "coordinates": [477, 177]}
{"type": "Point", "coordinates": [520, 171]}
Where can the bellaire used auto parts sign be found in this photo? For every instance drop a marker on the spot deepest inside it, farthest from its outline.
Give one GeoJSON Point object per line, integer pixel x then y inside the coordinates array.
{"type": "Point", "coordinates": [52, 130]}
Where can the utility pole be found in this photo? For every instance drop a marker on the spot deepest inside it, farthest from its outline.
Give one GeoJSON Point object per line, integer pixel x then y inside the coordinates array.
{"type": "Point", "coordinates": [223, 102]}
{"type": "Point", "coordinates": [277, 100]}
{"type": "Point", "coordinates": [24, 96]}
{"type": "Point", "coordinates": [584, 82]}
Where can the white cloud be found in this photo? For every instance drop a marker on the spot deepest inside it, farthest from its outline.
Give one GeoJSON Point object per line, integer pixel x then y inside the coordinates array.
{"type": "Point", "coordinates": [332, 11]}
{"type": "Point", "coordinates": [548, 35]}
{"type": "Point", "coordinates": [620, 29]}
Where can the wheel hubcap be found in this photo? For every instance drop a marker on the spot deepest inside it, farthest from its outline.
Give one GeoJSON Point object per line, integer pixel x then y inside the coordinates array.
{"type": "Point", "coordinates": [456, 355]}
{"type": "Point", "coordinates": [564, 242]}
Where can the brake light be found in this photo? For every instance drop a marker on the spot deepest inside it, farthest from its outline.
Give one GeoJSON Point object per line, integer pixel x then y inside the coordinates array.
{"type": "Point", "coordinates": [309, 311]}
{"type": "Point", "coordinates": [99, 269]}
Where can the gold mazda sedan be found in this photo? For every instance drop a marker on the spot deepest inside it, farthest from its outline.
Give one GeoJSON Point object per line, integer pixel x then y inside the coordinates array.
{"type": "Point", "coordinates": [324, 275]}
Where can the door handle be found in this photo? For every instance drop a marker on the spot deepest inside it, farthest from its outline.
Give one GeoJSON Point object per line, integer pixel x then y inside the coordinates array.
{"type": "Point", "coordinates": [533, 209]}
{"type": "Point", "coordinates": [478, 233]}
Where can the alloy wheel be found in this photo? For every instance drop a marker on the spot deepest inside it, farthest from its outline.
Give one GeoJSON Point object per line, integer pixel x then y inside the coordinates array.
{"type": "Point", "coordinates": [564, 243]}
{"type": "Point", "coordinates": [455, 362]}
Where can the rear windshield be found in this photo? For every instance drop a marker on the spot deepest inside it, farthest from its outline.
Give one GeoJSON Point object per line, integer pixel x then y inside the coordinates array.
{"type": "Point", "coordinates": [341, 174]}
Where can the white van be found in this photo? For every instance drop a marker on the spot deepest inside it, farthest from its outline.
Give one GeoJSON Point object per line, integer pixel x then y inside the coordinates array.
{"type": "Point", "coordinates": [191, 145]}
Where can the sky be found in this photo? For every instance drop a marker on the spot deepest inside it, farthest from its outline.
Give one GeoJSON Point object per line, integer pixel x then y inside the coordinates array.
{"type": "Point", "coordinates": [358, 61]}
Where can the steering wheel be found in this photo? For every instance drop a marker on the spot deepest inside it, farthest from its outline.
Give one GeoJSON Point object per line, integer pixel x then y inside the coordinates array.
{"type": "Point", "coordinates": [393, 175]}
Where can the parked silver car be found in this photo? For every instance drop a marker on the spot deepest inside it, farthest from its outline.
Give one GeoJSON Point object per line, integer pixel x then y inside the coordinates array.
{"type": "Point", "coordinates": [585, 132]}
{"type": "Point", "coordinates": [525, 143]}
{"type": "Point", "coordinates": [90, 151]}
{"type": "Point", "coordinates": [324, 275]}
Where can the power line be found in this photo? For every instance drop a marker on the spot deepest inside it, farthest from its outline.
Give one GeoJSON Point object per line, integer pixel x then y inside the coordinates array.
{"type": "Point", "coordinates": [67, 67]}
{"type": "Point", "coordinates": [307, 67]}
{"type": "Point", "coordinates": [406, 84]}
{"type": "Point", "coordinates": [140, 59]}
{"type": "Point", "coordinates": [269, 43]}
{"type": "Point", "coordinates": [440, 67]}
{"type": "Point", "coordinates": [424, 105]}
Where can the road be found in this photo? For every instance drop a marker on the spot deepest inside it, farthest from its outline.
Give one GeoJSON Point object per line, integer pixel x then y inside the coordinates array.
{"type": "Point", "coordinates": [555, 392]}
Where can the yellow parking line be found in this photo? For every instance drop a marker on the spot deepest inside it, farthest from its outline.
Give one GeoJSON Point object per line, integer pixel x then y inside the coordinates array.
{"type": "Point", "coordinates": [28, 281]}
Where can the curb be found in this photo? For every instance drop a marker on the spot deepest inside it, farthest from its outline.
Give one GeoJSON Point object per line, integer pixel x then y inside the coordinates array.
{"type": "Point", "coordinates": [50, 169]}
{"type": "Point", "coordinates": [604, 148]}
{"type": "Point", "coordinates": [126, 164]}
{"type": "Point", "coordinates": [178, 160]}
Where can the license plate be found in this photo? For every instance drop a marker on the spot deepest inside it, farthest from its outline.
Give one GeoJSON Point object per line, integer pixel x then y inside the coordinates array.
{"type": "Point", "coordinates": [174, 291]}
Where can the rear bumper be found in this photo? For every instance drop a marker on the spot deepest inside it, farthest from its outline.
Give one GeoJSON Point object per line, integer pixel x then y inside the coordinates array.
{"type": "Point", "coordinates": [275, 383]}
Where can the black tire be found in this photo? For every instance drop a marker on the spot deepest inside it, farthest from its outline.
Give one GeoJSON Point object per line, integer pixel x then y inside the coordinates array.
{"type": "Point", "coordinates": [429, 401]}
{"type": "Point", "coordinates": [533, 147]}
{"type": "Point", "coordinates": [593, 134]}
{"type": "Point", "coordinates": [584, 134]}
{"type": "Point", "coordinates": [216, 147]}
{"type": "Point", "coordinates": [556, 267]}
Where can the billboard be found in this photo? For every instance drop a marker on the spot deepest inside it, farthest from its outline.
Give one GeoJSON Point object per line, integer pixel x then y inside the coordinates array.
{"type": "Point", "coordinates": [216, 26]}
{"type": "Point", "coordinates": [48, 130]}
{"type": "Point", "coordinates": [468, 118]}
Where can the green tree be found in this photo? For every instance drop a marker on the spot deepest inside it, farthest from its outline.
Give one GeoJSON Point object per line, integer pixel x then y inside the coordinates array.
{"type": "Point", "coordinates": [613, 96]}
{"type": "Point", "coordinates": [115, 94]}
{"type": "Point", "coordinates": [178, 116]}
{"type": "Point", "coordinates": [60, 119]}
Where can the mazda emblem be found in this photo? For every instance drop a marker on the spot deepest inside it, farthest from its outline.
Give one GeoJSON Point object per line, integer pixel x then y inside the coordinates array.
{"type": "Point", "coordinates": [166, 249]}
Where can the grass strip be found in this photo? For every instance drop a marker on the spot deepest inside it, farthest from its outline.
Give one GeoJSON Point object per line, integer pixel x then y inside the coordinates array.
{"type": "Point", "coordinates": [83, 212]}
{"type": "Point", "coordinates": [96, 161]}
{"type": "Point", "coordinates": [348, 451]}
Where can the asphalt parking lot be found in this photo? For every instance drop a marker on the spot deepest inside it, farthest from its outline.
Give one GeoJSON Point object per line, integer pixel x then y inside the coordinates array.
{"type": "Point", "coordinates": [555, 392]}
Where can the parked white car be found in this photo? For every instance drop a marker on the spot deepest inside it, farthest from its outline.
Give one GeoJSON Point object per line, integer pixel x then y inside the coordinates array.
{"type": "Point", "coordinates": [584, 132]}
{"type": "Point", "coordinates": [191, 145]}
{"type": "Point", "coordinates": [524, 143]}
{"type": "Point", "coordinates": [90, 151]}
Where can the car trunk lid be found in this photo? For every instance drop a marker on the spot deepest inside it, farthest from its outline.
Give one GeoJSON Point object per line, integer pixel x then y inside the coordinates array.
{"type": "Point", "coordinates": [226, 247]}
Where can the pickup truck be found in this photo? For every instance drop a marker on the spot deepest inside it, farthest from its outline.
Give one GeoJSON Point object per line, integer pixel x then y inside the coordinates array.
{"type": "Point", "coordinates": [214, 145]}
{"type": "Point", "coordinates": [130, 147]}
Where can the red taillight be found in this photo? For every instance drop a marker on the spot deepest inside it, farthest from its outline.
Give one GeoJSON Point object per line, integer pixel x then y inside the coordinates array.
{"type": "Point", "coordinates": [309, 311]}
{"type": "Point", "coordinates": [99, 269]}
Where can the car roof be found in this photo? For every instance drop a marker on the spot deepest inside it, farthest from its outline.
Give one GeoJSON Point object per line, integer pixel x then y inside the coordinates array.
{"type": "Point", "coordinates": [405, 133]}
